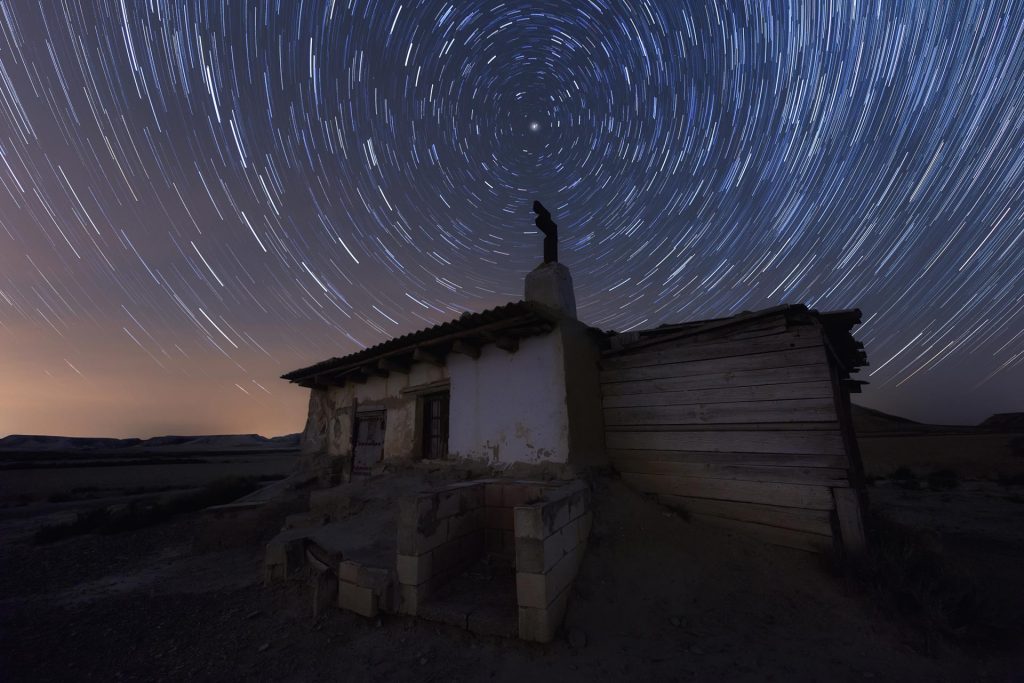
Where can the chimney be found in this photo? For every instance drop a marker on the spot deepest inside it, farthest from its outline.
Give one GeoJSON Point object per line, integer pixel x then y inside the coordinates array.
{"type": "Point", "coordinates": [551, 284]}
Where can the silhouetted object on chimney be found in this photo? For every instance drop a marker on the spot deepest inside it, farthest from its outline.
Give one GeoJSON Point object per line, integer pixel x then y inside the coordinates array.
{"type": "Point", "coordinates": [550, 230]}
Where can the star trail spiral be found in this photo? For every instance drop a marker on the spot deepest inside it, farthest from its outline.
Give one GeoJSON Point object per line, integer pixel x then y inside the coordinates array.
{"type": "Point", "coordinates": [197, 195]}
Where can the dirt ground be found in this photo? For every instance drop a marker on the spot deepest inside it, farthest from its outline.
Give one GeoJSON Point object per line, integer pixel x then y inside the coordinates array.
{"type": "Point", "coordinates": [658, 599]}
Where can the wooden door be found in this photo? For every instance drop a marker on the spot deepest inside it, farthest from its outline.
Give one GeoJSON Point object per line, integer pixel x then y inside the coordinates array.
{"type": "Point", "coordinates": [435, 425]}
{"type": "Point", "coordinates": [369, 441]}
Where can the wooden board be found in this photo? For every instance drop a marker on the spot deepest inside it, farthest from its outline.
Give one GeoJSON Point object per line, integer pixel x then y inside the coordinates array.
{"type": "Point", "coordinates": [684, 351]}
{"type": "Point", "coordinates": [819, 476]}
{"type": "Point", "coordinates": [807, 442]}
{"type": "Point", "coordinates": [766, 392]}
{"type": "Point", "coordinates": [724, 458]}
{"type": "Point", "coordinates": [715, 330]}
{"type": "Point", "coordinates": [811, 521]}
{"type": "Point", "coordinates": [790, 538]}
{"type": "Point", "coordinates": [717, 379]}
{"type": "Point", "coordinates": [733, 364]}
{"type": "Point", "coordinates": [786, 495]}
{"type": "Point", "coordinates": [851, 520]}
{"type": "Point", "coordinates": [730, 427]}
{"type": "Point", "coordinates": [790, 410]}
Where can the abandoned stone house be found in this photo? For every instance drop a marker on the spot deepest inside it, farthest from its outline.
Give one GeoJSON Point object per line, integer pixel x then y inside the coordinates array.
{"type": "Point", "coordinates": [743, 421]}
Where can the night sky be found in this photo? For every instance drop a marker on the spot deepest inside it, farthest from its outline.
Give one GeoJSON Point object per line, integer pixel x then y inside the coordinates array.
{"type": "Point", "coordinates": [197, 196]}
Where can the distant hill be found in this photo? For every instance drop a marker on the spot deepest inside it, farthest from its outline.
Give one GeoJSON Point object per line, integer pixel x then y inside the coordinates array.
{"type": "Point", "coordinates": [870, 420]}
{"type": "Point", "coordinates": [1008, 422]}
{"type": "Point", "coordinates": [215, 442]}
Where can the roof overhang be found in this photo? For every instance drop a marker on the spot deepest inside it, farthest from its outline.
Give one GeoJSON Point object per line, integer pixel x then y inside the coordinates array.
{"type": "Point", "coordinates": [503, 326]}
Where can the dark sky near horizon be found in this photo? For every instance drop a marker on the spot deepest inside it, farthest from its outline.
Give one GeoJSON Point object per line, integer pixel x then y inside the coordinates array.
{"type": "Point", "coordinates": [196, 196]}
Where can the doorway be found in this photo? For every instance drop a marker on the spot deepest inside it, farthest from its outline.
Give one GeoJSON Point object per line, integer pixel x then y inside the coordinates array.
{"type": "Point", "coordinates": [369, 441]}
{"type": "Point", "coordinates": [435, 425]}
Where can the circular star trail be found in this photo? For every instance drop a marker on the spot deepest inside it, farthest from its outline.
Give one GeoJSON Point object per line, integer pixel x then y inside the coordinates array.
{"type": "Point", "coordinates": [196, 196]}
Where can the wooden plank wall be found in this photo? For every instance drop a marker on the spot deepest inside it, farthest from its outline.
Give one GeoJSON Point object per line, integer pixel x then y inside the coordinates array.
{"type": "Point", "coordinates": [738, 426]}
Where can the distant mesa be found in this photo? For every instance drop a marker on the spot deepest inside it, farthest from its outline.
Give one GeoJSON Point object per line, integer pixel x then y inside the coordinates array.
{"type": "Point", "coordinates": [1006, 422]}
{"type": "Point", "coordinates": [213, 442]}
{"type": "Point", "coordinates": [871, 420]}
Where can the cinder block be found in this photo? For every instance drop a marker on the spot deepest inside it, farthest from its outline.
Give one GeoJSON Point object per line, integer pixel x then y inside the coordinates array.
{"type": "Point", "coordinates": [449, 503]}
{"type": "Point", "coordinates": [466, 523]}
{"type": "Point", "coordinates": [500, 518]}
{"type": "Point", "coordinates": [537, 556]}
{"type": "Point", "coordinates": [530, 556]}
{"type": "Point", "coordinates": [414, 569]}
{"type": "Point", "coordinates": [472, 495]}
{"type": "Point", "coordinates": [567, 490]}
{"type": "Point", "coordinates": [425, 541]}
{"type": "Point", "coordinates": [568, 538]}
{"type": "Point", "coordinates": [357, 599]}
{"type": "Point", "coordinates": [408, 511]}
{"type": "Point", "coordinates": [531, 590]}
{"type": "Point", "coordinates": [535, 625]}
{"type": "Point", "coordinates": [556, 516]}
{"type": "Point", "coordinates": [529, 522]}
{"type": "Point", "coordinates": [376, 579]}
{"type": "Point", "coordinates": [348, 570]}
{"type": "Point", "coordinates": [515, 495]}
{"type": "Point", "coordinates": [585, 523]}
{"type": "Point", "coordinates": [540, 590]}
{"type": "Point", "coordinates": [406, 537]}
{"type": "Point", "coordinates": [409, 598]}
{"type": "Point", "coordinates": [579, 503]}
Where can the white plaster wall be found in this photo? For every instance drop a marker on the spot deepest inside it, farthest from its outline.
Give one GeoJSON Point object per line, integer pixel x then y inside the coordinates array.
{"type": "Point", "coordinates": [328, 429]}
{"type": "Point", "coordinates": [510, 407]}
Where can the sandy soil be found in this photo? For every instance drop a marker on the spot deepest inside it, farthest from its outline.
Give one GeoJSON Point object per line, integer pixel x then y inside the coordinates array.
{"type": "Point", "coordinates": [658, 598]}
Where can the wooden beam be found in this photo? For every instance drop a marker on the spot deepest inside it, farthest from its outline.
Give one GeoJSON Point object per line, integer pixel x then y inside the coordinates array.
{"type": "Point", "coordinates": [466, 348]}
{"type": "Point", "coordinates": [393, 365]}
{"type": "Point", "coordinates": [424, 356]}
{"type": "Point", "coordinates": [507, 343]}
{"type": "Point", "coordinates": [765, 493]}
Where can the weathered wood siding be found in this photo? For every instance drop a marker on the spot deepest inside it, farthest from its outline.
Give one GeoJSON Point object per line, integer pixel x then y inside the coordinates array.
{"type": "Point", "coordinates": [738, 425]}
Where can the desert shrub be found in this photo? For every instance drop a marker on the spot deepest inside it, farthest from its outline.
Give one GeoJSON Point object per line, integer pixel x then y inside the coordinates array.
{"type": "Point", "coordinates": [84, 523]}
{"type": "Point", "coordinates": [908, 573]}
{"type": "Point", "coordinates": [1011, 479]}
{"type": "Point", "coordinates": [139, 514]}
{"type": "Point", "coordinates": [943, 480]}
{"type": "Point", "coordinates": [905, 478]}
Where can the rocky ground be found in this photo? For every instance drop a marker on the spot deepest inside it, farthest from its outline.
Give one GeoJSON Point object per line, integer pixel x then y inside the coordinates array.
{"type": "Point", "coordinates": [658, 598]}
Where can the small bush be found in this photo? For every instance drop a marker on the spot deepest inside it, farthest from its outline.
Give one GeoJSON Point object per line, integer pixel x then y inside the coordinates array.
{"type": "Point", "coordinates": [1011, 479]}
{"type": "Point", "coordinates": [905, 478]}
{"type": "Point", "coordinates": [907, 572]}
{"type": "Point", "coordinates": [84, 523]}
{"type": "Point", "coordinates": [139, 515]}
{"type": "Point", "coordinates": [943, 480]}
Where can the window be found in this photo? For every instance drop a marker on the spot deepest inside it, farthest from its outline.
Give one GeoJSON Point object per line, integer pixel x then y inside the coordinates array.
{"type": "Point", "coordinates": [435, 425]}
